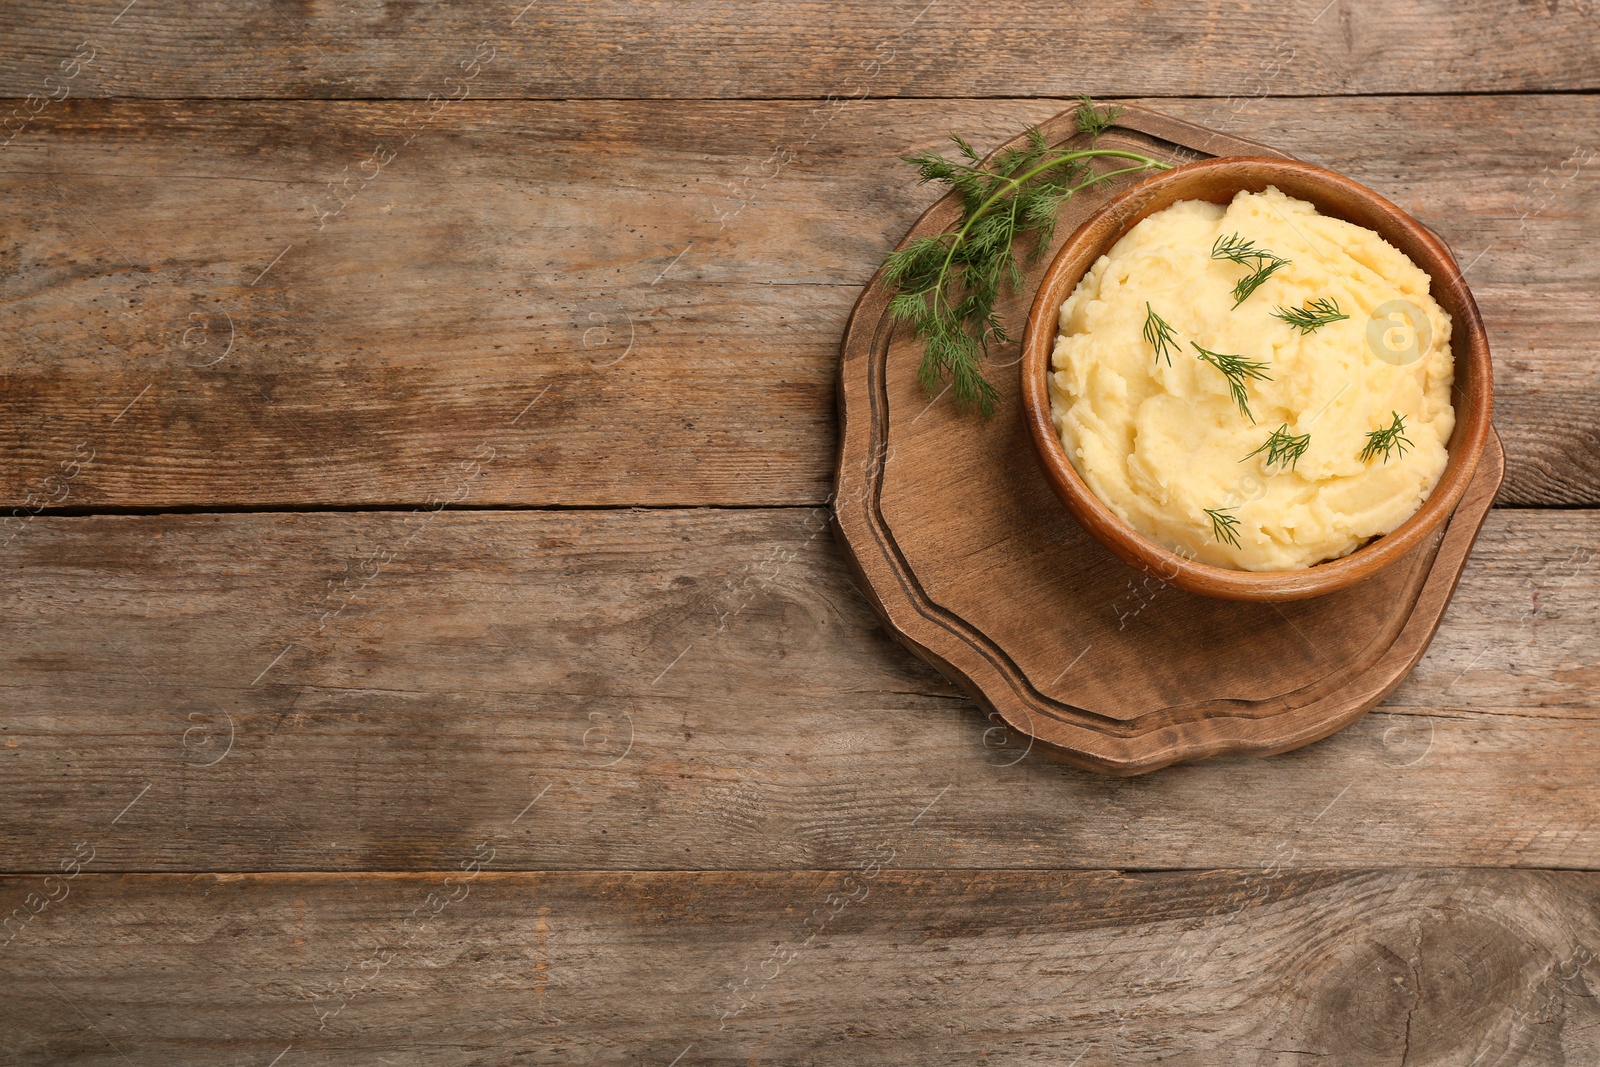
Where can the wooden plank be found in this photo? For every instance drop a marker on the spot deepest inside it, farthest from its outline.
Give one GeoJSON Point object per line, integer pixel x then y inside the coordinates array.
{"type": "Point", "coordinates": [872, 963]}
{"type": "Point", "coordinates": [722, 48]}
{"type": "Point", "coordinates": [668, 290]}
{"type": "Point", "coordinates": [693, 689]}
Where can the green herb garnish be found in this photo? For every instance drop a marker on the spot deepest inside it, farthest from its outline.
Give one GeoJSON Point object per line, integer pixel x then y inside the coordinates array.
{"type": "Point", "coordinates": [1262, 264]}
{"type": "Point", "coordinates": [946, 286]}
{"type": "Point", "coordinates": [1236, 369]}
{"type": "Point", "coordinates": [1323, 310]}
{"type": "Point", "coordinates": [1390, 438]}
{"type": "Point", "coordinates": [1094, 120]}
{"type": "Point", "coordinates": [1224, 527]}
{"type": "Point", "coordinates": [1283, 448]}
{"type": "Point", "coordinates": [1160, 334]}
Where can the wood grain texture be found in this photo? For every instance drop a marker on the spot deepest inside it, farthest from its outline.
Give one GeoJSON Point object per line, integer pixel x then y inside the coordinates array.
{"type": "Point", "coordinates": [872, 963]}
{"type": "Point", "coordinates": [513, 248]}
{"type": "Point", "coordinates": [723, 48]}
{"type": "Point", "coordinates": [552, 300]}
{"type": "Point", "coordinates": [698, 689]}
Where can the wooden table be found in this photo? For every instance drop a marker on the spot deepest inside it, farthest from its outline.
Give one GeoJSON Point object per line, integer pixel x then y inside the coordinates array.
{"type": "Point", "coordinates": [423, 640]}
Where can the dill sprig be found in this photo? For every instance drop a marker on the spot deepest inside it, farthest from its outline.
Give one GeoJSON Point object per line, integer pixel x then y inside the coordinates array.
{"type": "Point", "coordinates": [1094, 120]}
{"type": "Point", "coordinates": [1254, 280]}
{"type": "Point", "coordinates": [1224, 527]}
{"type": "Point", "coordinates": [1236, 369]}
{"type": "Point", "coordinates": [1323, 310]}
{"type": "Point", "coordinates": [1241, 251]}
{"type": "Point", "coordinates": [1261, 263]}
{"type": "Point", "coordinates": [1159, 333]}
{"type": "Point", "coordinates": [1391, 438]}
{"type": "Point", "coordinates": [947, 285]}
{"type": "Point", "coordinates": [1283, 448]}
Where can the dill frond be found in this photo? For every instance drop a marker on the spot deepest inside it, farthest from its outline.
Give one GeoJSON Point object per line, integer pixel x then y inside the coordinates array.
{"type": "Point", "coordinates": [1236, 369]}
{"type": "Point", "coordinates": [1391, 438]}
{"type": "Point", "coordinates": [1318, 313]}
{"type": "Point", "coordinates": [1159, 334]}
{"type": "Point", "coordinates": [1283, 448]}
{"type": "Point", "coordinates": [1261, 263]}
{"type": "Point", "coordinates": [1224, 527]}
{"type": "Point", "coordinates": [1094, 120]}
{"type": "Point", "coordinates": [946, 286]}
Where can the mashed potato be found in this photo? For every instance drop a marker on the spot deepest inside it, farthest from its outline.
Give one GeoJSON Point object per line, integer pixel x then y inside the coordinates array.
{"type": "Point", "coordinates": [1161, 445]}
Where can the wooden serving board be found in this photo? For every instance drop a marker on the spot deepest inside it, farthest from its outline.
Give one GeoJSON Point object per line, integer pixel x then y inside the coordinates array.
{"type": "Point", "coordinates": [973, 564]}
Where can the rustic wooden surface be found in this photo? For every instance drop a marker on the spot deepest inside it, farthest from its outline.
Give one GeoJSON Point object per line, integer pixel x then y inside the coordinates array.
{"type": "Point", "coordinates": [774, 724]}
{"type": "Point", "coordinates": [806, 50]}
{"type": "Point", "coordinates": [695, 806]}
{"type": "Point", "coordinates": [866, 964]}
{"type": "Point", "coordinates": [522, 246]}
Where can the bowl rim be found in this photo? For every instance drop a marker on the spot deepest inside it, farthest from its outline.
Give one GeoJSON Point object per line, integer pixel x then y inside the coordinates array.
{"type": "Point", "coordinates": [1473, 378]}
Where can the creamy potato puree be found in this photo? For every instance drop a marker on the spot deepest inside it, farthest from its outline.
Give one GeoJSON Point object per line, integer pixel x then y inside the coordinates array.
{"type": "Point", "coordinates": [1160, 445]}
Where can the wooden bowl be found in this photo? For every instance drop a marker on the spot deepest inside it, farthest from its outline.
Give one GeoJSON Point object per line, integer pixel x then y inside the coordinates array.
{"type": "Point", "coordinates": [1217, 180]}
